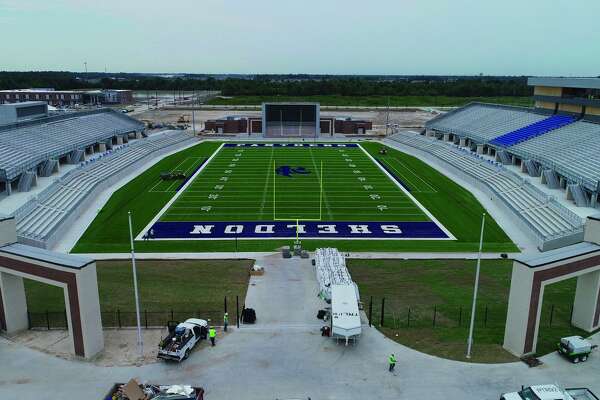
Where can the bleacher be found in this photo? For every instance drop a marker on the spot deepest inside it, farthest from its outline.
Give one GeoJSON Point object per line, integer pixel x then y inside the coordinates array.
{"type": "Point", "coordinates": [571, 151]}
{"type": "Point", "coordinates": [23, 146]}
{"type": "Point", "coordinates": [484, 122]}
{"type": "Point", "coordinates": [530, 131]}
{"type": "Point", "coordinates": [39, 218]}
{"type": "Point", "coordinates": [543, 215]}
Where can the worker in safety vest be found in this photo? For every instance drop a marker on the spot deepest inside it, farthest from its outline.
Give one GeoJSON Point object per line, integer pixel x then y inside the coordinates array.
{"type": "Point", "coordinates": [212, 334]}
{"type": "Point", "coordinates": [225, 321]}
{"type": "Point", "coordinates": [392, 360]}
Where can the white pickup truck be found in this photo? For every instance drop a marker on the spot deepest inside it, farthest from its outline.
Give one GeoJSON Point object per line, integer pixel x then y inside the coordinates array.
{"type": "Point", "coordinates": [550, 392]}
{"type": "Point", "coordinates": [181, 340]}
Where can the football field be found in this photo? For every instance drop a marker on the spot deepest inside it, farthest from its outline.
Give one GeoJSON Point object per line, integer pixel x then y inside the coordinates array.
{"type": "Point", "coordinates": [283, 190]}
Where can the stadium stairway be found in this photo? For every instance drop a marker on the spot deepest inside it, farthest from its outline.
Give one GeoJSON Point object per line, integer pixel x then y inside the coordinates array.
{"type": "Point", "coordinates": [40, 218]}
{"type": "Point", "coordinates": [544, 216]}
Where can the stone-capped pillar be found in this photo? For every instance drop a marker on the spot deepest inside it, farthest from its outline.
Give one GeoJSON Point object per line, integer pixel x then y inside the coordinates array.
{"type": "Point", "coordinates": [585, 307]}
{"type": "Point", "coordinates": [14, 304]}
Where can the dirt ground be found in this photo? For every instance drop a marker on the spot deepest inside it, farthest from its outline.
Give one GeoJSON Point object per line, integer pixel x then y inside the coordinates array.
{"type": "Point", "coordinates": [405, 119]}
{"type": "Point", "coordinates": [120, 345]}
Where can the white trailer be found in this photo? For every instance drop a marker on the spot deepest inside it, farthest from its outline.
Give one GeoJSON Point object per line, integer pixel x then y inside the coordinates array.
{"type": "Point", "coordinates": [345, 317]}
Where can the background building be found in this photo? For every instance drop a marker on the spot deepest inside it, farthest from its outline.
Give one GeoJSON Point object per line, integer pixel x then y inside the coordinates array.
{"type": "Point", "coordinates": [20, 112]}
{"type": "Point", "coordinates": [67, 97]}
{"type": "Point", "coordinates": [579, 96]}
{"type": "Point", "coordinates": [289, 119]}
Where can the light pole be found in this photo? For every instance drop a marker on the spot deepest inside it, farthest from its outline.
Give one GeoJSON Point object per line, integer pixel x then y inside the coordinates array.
{"type": "Point", "coordinates": [471, 326]}
{"type": "Point", "coordinates": [135, 289]}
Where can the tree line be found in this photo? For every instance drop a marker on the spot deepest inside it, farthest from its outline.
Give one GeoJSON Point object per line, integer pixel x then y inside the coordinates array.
{"type": "Point", "coordinates": [277, 85]}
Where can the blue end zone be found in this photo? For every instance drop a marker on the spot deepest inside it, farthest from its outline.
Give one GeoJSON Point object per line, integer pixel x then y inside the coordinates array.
{"type": "Point", "coordinates": [404, 185]}
{"type": "Point", "coordinates": [287, 229]}
{"type": "Point", "coordinates": [290, 145]}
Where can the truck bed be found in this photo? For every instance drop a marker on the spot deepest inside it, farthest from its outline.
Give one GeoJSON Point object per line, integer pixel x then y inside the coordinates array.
{"type": "Point", "coordinates": [581, 394]}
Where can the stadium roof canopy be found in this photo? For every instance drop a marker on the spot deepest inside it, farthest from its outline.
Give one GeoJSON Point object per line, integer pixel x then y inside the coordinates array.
{"type": "Point", "coordinates": [579, 83]}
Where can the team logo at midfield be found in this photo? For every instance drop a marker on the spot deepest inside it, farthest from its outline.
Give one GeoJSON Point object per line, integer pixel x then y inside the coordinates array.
{"type": "Point", "coordinates": [286, 170]}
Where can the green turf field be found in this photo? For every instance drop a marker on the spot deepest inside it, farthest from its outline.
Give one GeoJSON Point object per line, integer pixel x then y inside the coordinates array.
{"type": "Point", "coordinates": [242, 184]}
{"type": "Point", "coordinates": [248, 195]}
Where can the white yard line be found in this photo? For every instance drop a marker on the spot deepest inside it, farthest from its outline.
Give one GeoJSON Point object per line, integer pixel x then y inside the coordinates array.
{"type": "Point", "coordinates": [434, 190]}
{"type": "Point", "coordinates": [179, 193]}
{"type": "Point", "coordinates": [264, 198]}
{"type": "Point", "coordinates": [426, 211]}
{"type": "Point", "coordinates": [321, 184]}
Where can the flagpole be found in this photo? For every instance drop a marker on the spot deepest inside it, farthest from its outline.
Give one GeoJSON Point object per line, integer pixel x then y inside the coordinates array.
{"type": "Point", "coordinates": [472, 325]}
{"type": "Point", "coordinates": [135, 289]}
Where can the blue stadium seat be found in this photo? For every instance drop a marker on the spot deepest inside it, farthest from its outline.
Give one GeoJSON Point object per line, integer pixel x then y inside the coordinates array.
{"type": "Point", "coordinates": [533, 130]}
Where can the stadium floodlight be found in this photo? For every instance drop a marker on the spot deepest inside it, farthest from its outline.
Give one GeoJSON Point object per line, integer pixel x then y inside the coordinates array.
{"type": "Point", "coordinates": [471, 326]}
{"type": "Point", "coordinates": [135, 290]}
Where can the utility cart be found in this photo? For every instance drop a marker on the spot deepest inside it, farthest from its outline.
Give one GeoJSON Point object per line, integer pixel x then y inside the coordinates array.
{"type": "Point", "coordinates": [575, 348]}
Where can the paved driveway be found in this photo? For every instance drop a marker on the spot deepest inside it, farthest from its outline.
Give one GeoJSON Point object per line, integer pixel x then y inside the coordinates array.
{"type": "Point", "coordinates": [284, 356]}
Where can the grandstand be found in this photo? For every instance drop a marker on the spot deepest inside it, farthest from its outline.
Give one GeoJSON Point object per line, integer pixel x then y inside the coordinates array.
{"type": "Point", "coordinates": [41, 218]}
{"type": "Point", "coordinates": [558, 140]}
{"type": "Point", "coordinates": [38, 147]}
{"type": "Point", "coordinates": [552, 224]}
{"type": "Point", "coordinates": [562, 149]}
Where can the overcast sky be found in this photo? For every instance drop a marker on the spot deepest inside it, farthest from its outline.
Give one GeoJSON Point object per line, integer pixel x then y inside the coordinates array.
{"type": "Point", "coordinates": [501, 37]}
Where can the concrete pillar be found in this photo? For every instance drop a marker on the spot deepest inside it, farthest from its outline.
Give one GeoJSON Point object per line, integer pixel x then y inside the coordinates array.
{"type": "Point", "coordinates": [591, 229]}
{"type": "Point", "coordinates": [138, 135]}
{"type": "Point", "coordinates": [119, 140]}
{"type": "Point", "coordinates": [562, 182]}
{"type": "Point", "coordinates": [569, 193]}
{"type": "Point", "coordinates": [14, 303]}
{"type": "Point", "coordinates": [517, 317]}
{"type": "Point", "coordinates": [514, 160]}
{"type": "Point", "coordinates": [101, 147]}
{"type": "Point", "coordinates": [462, 142]}
{"type": "Point", "coordinates": [523, 167]}
{"type": "Point", "coordinates": [89, 311]}
{"type": "Point", "coordinates": [586, 301]}
{"type": "Point", "coordinates": [446, 137]}
{"type": "Point", "coordinates": [594, 200]}
{"type": "Point", "coordinates": [480, 149]}
{"type": "Point", "coordinates": [8, 188]}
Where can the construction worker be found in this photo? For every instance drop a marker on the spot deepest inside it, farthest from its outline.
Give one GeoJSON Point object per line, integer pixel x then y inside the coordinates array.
{"type": "Point", "coordinates": [225, 321]}
{"type": "Point", "coordinates": [392, 360]}
{"type": "Point", "coordinates": [212, 334]}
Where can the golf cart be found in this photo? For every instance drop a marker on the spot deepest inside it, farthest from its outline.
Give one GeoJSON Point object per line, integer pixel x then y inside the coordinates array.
{"type": "Point", "coordinates": [575, 348]}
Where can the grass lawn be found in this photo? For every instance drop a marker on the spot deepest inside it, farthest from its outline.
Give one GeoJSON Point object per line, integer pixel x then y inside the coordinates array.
{"type": "Point", "coordinates": [185, 286]}
{"type": "Point", "coordinates": [251, 199]}
{"type": "Point", "coordinates": [375, 101]}
{"type": "Point", "coordinates": [446, 286]}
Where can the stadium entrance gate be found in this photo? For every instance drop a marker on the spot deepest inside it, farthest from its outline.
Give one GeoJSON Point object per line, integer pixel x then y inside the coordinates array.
{"type": "Point", "coordinates": [530, 275]}
{"type": "Point", "coordinates": [75, 275]}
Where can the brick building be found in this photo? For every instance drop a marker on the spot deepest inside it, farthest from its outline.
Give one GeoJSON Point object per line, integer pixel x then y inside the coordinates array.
{"type": "Point", "coordinates": [66, 97]}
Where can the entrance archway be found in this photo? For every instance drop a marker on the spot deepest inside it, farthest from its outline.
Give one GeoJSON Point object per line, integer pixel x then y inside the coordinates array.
{"type": "Point", "coordinates": [531, 274]}
{"type": "Point", "coordinates": [75, 275]}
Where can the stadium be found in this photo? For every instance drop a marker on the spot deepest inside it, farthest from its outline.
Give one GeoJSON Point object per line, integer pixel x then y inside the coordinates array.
{"type": "Point", "coordinates": [281, 195]}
